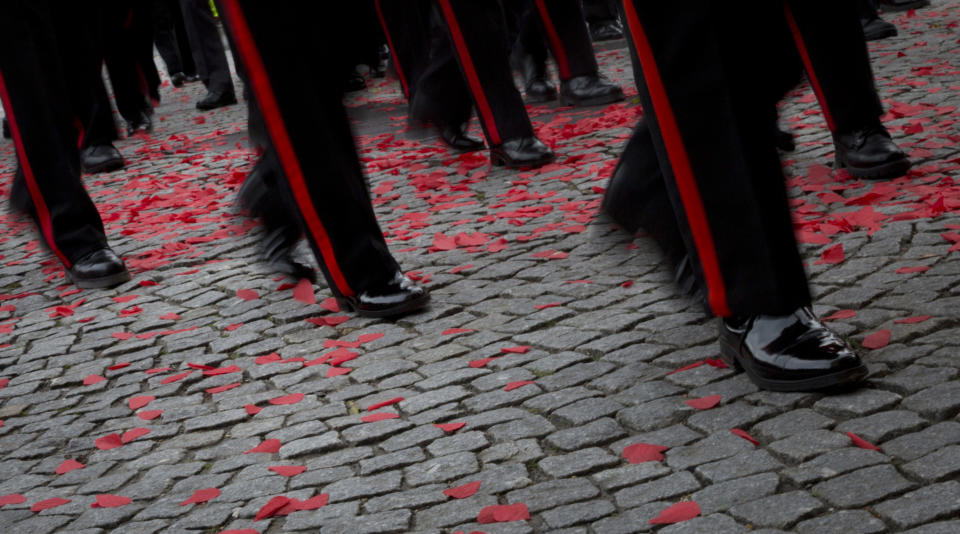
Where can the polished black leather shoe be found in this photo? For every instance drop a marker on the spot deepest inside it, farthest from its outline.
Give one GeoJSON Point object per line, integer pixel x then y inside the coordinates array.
{"type": "Point", "coordinates": [589, 90]}
{"type": "Point", "coordinates": [870, 153]}
{"type": "Point", "coordinates": [793, 352]}
{"type": "Point", "coordinates": [539, 89]}
{"type": "Point", "coordinates": [400, 296]}
{"type": "Point", "coordinates": [98, 269]}
{"type": "Point", "coordinates": [143, 123]}
{"type": "Point", "coordinates": [178, 79]}
{"type": "Point", "coordinates": [215, 100]}
{"type": "Point", "coordinates": [521, 152]}
{"type": "Point", "coordinates": [606, 31]}
{"type": "Point", "coordinates": [101, 158]}
{"type": "Point", "coordinates": [456, 137]}
{"type": "Point", "coordinates": [877, 28]}
{"type": "Point", "coordinates": [784, 139]}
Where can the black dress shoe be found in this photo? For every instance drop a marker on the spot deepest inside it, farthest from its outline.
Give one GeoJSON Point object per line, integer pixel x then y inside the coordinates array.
{"type": "Point", "coordinates": [215, 100]}
{"type": "Point", "coordinates": [521, 152]}
{"type": "Point", "coordinates": [354, 82]}
{"type": "Point", "coordinates": [98, 269]}
{"type": "Point", "coordinates": [101, 158]}
{"type": "Point", "coordinates": [870, 153]}
{"type": "Point", "coordinates": [903, 5]}
{"type": "Point", "coordinates": [537, 87]}
{"type": "Point", "coordinates": [400, 296]}
{"type": "Point", "coordinates": [259, 196]}
{"type": "Point", "coordinates": [793, 352]}
{"type": "Point", "coordinates": [456, 137]}
{"type": "Point", "coordinates": [784, 139]}
{"type": "Point", "coordinates": [143, 123]}
{"type": "Point", "coordinates": [606, 31]}
{"type": "Point", "coordinates": [589, 90]}
{"type": "Point", "coordinates": [877, 28]}
{"type": "Point", "coordinates": [178, 79]}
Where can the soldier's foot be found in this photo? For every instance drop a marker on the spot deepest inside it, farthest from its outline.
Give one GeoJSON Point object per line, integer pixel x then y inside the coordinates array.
{"type": "Point", "coordinates": [99, 269]}
{"type": "Point", "coordinates": [870, 153]}
{"type": "Point", "coordinates": [398, 297]}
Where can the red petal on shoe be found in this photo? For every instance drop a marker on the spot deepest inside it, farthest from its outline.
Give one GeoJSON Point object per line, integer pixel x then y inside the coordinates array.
{"type": "Point", "coordinates": [68, 465]}
{"type": "Point", "coordinates": [109, 500]}
{"type": "Point", "coordinates": [252, 409]}
{"type": "Point", "coordinates": [201, 496]}
{"type": "Point", "coordinates": [110, 441]}
{"type": "Point", "coordinates": [150, 415]}
{"type": "Point", "coordinates": [681, 511]}
{"type": "Point", "coordinates": [499, 513]}
{"type": "Point", "coordinates": [287, 399]}
{"type": "Point", "coordinates": [704, 403]}
{"type": "Point", "coordinates": [304, 292]}
{"type": "Point", "coordinates": [517, 384]}
{"type": "Point", "coordinates": [643, 452]}
{"type": "Point", "coordinates": [271, 508]}
{"type": "Point", "coordinates": [269, 446]}
{"type": "Point", "coordinates": [862, 443]}
{"type": "Point", "coordinates": [519, 349]}
{"type": "Point", "coordinates": [913, 320]}
{"type": "Point", "coordinates": [379, 405]}
{"type": "Point", "coordinates": [450, 427]}
{"type": "Point", "coordinates": [877, 340]}
{"type": "Point", "coordinates": [374, 417]}
{"type": "Point", "coordinates": [12, 498]}
{"type": "Point", "coordinates": [840, 314]}
{"type": "Point", "coordinates": [288, 470]}
{"type": "Point", "coordinates": [133, 434]}
{"type": "Point", "coordinates": [313, 503]}
{"type": "Point", "coordinates": [47, 504]}
{"type": "Point", "coordinates": [247, 294]}
{"type": "Point", "coordinates": [464, 491]}
{"type": "Point", "coordinates": [93, 379]}
{"type": "Point", "coordinates": [744, 435]}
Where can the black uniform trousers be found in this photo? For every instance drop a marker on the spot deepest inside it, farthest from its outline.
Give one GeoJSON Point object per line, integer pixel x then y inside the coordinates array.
{"type": "Point", "coordinates": [467, 63]}
{"type": "Point", "coordinates": [310, 134]}
{"type": "Point", "coordinates": [170, 37]}
{"type": "Point", "coordinates": [128, 54]}
{"type": "Point", "coordinates": [709, 122]}
{"type": "Point", "coordinates": [561, 25]}
{"type": "Point", "coordinates": [208, 52]}
{"type": "Point", "coordinates": [36, 96]}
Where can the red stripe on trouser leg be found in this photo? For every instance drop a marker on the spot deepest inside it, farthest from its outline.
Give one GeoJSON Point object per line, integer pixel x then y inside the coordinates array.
{"type": "Point", "coordinates": [559, 52]}
{"type": "Point", "coordinates": [281, 141]}
{"type": "Point", "coordinates": [486, 114]}
{"type": "Point", "coordinates": [39, 204]}
{"type": "Point", "coordinates": [808, 66]}
{"type": "Point", "coordinates": [680, 164]}
{"type": "Point", "coordinates": [393, 51]}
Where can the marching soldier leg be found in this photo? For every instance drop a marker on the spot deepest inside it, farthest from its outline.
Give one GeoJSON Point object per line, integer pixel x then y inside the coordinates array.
{"type": "Point", "coordinates": [310, 132]}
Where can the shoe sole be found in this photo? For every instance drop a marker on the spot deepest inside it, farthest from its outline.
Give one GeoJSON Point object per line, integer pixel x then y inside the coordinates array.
{"type": "Point", "coordinates": [893, 169]}
{"type": "Point", "coordinates": [596, 101]}
{"type": "Point", "coordinates": [102, 282]}
{"type": "Point", "coordinates": [539, 99]}
{"type": "Point", "coordinates": [402, 309]}
{"type": "Point", "coordinates": [731, 356]}
{"type": "Point", "coordinates": [500, 161]}
{"type": "Point", "coordinates": [105, 167]}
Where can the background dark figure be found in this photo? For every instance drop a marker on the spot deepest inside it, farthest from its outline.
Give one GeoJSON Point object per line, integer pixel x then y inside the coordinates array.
{"type": "Point", "coordinates": [128, 53]}
{"type": "Point", "coordinates": [36, 88]}
{"type": "Point", "coordinates": [170, 37]}
{"type": "Point", "coordinates": [208, 54]}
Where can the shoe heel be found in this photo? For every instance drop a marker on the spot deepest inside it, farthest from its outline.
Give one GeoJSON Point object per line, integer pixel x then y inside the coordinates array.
{"type": "Point", "coordinates": [728, 353]}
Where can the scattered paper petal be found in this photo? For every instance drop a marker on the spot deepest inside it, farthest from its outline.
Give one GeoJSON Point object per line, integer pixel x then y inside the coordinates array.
{"type": "Point", "coordinates": [704, 403]}
{"type": "Point", "coordinates": [201, 496]}
{"type": "Point", "coordinates": [313, 503]}
{"type": "Point", "coordinates": [862, 443]}
{"type": "Point", "coordinates": [287, 399]}
{"type": "Point", "coordinates": [12, 498]}
{"type": "Point", "coordinates": [271, 508]}
{"type": "Point", "coordinates": [109, 500]}
{"type": "Point", "coordinates": [269, 446]}
{"type": "Point", "coordinates": [380, 416]}
{"type": "Point", "coordinates": [877, 340]}
{"type": "Point", "coordinates": [304, 292]}
{"type": "Point", "coordinates": [378, 405]}
{"type": "Point", "coordinates": [337, 371]}
{"type": "Point", "coordinates": [500, 513]}
{"type": "Point", "coordinates": [68, 465]}
{"type": "Point", "coordinates": [643, 452]}
{"type": "Point", "coordinates": [744, 435]}
{"type": "Point", "coordinates": [840, 314]}
{"type": "Point", "coordinates": [681, 511]}
{"type": "Point", "coordinates": [913, 320]}
{"type": "Point", "coordinates": [110, 441]}
{"type": "Point", "coordinates": [450, 427]}
{"type": "Point", "coordinates": [517, 384]}
{"type": "Point", "coordinates": [520, 349]}
{"type": "Point", "coordinates": [135, 403]}
{"type": "Point", "coordinates": [451, 331]}
{"type": "Point", "coordinates": [149, 415]}
{"type": "Point", "coordinates": [252, 409]}
{"type": "Point", "coordinates": [47, 504]}
{"type": "Point", "coordinates": [93, 379]}
{"type": "Point", "coordinates": [247, 294]}
{"type": "Point", "coordinates": [288, 470]}
{"type": "Point", "coordinates": [464, 491]}
{"type": "Point", "coordinates": [133, 434]}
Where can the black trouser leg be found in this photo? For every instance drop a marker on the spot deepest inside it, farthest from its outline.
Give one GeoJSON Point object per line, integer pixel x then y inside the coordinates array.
{"type": "Point", "coordinates": [568, 37]}
{"type": "Point", "coordinates": [183, 40]}
{"type": "Point", "coordinates": [723, 175]}
{"type": "Point", "coordinates": [441, 95]}
{"type": "Point", "coordinates": [34, 92]}
{"type": "Point", "coordinates": [837, 62]}
{"type": "Point", "coordinates": [121, 59]}
{"type": "Point", "coordinates": [478, 38]}
{"type": "Point", "coordinates": [311, 134]}
{"type": "Point", "coordinates": [208, 51]}
{"type": "Point", "coordinates": [165, 36]}
{"type": "Point", "coordinates": [407, 30]}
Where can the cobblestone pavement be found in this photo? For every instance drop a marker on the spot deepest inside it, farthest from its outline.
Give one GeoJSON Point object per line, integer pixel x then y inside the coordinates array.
{"type": "Point", "coordinates": [554, 344]}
